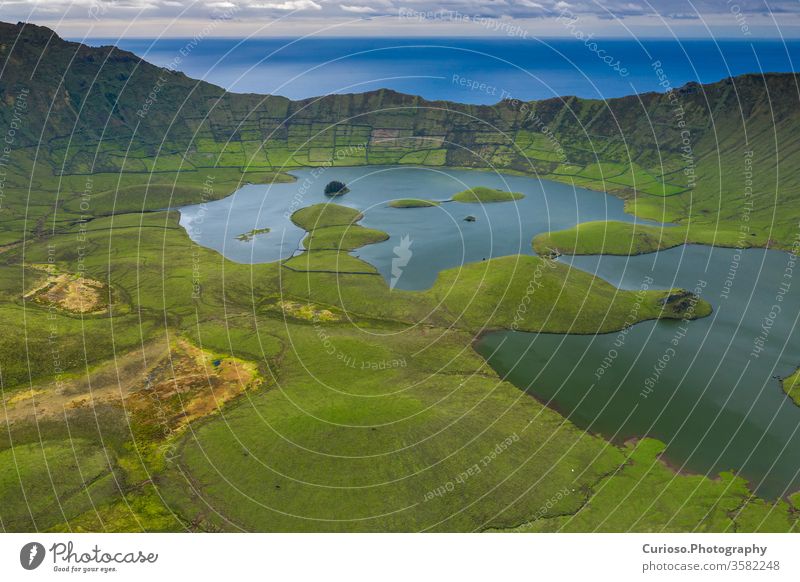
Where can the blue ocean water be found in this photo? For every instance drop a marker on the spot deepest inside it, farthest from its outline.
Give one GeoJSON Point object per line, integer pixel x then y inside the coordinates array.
{"type": "Point", "coordinates": [468, 70]}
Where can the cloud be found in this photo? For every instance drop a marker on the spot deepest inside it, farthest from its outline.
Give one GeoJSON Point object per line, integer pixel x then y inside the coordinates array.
{"type": "Point", "coordinates": [670, 9]}
{"type": "Point", "coordinates": [652, 17]}
{"type": "Point", "coordinates": [288, 5]}
{"type": "Point", "coordinates": [358, 9]}
{"type": "Point", "coordinates": [684, 16]}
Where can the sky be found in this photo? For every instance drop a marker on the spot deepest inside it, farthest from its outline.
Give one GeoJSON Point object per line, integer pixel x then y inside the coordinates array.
{"type": "Point", "coordinates": [294, 18]}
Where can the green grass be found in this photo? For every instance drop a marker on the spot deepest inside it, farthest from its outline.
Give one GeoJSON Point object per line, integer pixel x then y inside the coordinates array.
{"type": "Point", "coordinates": [103, 194]}
{"type": "Point", "coordinates": [141, 510]}
{"type": "Point", "coordinates": [345, 238]}
{"type": "Point", "coordinates": [329, 262]}
{"type": "Point", "coordinates": [44, 484]}
{"type": "Point", "coordinates": [412, 203]}
{"type": "Point", "coordinates": [56, 340]}
{"type": "Point", "coordinates": [642, 494]}
{"type": "Point", "coordinates": [484, 195]}
{"type": "Point", "coordinates": [627, 238]}
{"type": "Point", "coordinates": [557, 299]}
{"type": "Point", "coordinates": [363, 453]}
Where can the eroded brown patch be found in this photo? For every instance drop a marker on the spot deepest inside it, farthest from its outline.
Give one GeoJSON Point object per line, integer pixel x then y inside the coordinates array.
{"type": "Point", "coordinates": [110, 382]}
{"type": "Point", "coordinates": [163, 386]}
{"type": "Point", "coordinates": [70, 292]}
{"type": "Point", "coordinates": [189, 385]}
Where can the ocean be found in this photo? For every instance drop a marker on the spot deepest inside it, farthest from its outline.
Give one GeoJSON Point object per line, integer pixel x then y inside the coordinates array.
{"type": "Point", "coordinates": [467, 70]}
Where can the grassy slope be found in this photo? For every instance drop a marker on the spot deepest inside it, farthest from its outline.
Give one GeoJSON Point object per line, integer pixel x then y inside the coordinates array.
{"type": "Point", "coordinates": [625, 238]}
{"type": "Point", "coordinates": [491, 295]}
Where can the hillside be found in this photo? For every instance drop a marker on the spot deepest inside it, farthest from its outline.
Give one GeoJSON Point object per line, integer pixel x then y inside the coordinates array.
{"type": "Point", "coordinates": [152, 134]}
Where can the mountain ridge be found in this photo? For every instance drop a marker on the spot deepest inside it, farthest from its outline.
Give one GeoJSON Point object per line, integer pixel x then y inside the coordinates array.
{"type": "Point", "coordinates": [677, 156]}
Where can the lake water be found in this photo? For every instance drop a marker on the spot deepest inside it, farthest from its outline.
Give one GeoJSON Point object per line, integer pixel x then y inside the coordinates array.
{"type": "Point", "coordinates": [440, 238]}
{"type": "Point", "coordinates": [708, 389]}
{"type": "Point", "coordinates": [701, 388]}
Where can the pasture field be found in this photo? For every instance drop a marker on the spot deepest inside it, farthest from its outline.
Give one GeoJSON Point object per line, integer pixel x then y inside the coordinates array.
{"type": "Point", "coordinates": [627, 239]}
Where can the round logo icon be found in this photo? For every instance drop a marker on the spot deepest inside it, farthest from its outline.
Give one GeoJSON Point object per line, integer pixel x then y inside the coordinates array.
{"type": "Point", "coordinates": [31, 555]}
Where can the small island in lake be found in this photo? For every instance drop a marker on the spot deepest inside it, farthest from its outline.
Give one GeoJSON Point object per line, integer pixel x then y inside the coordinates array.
{"type": "Point", "coordinates": [336, 188]}
{"type": "Point", "coordinates": [483, 194]}
{"type": "Point", "coordinates": [412, 203]}
{"type": "Point", "coordinates": [250, 235]}
{"type": "Point", "coordinates": [791, 385]}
